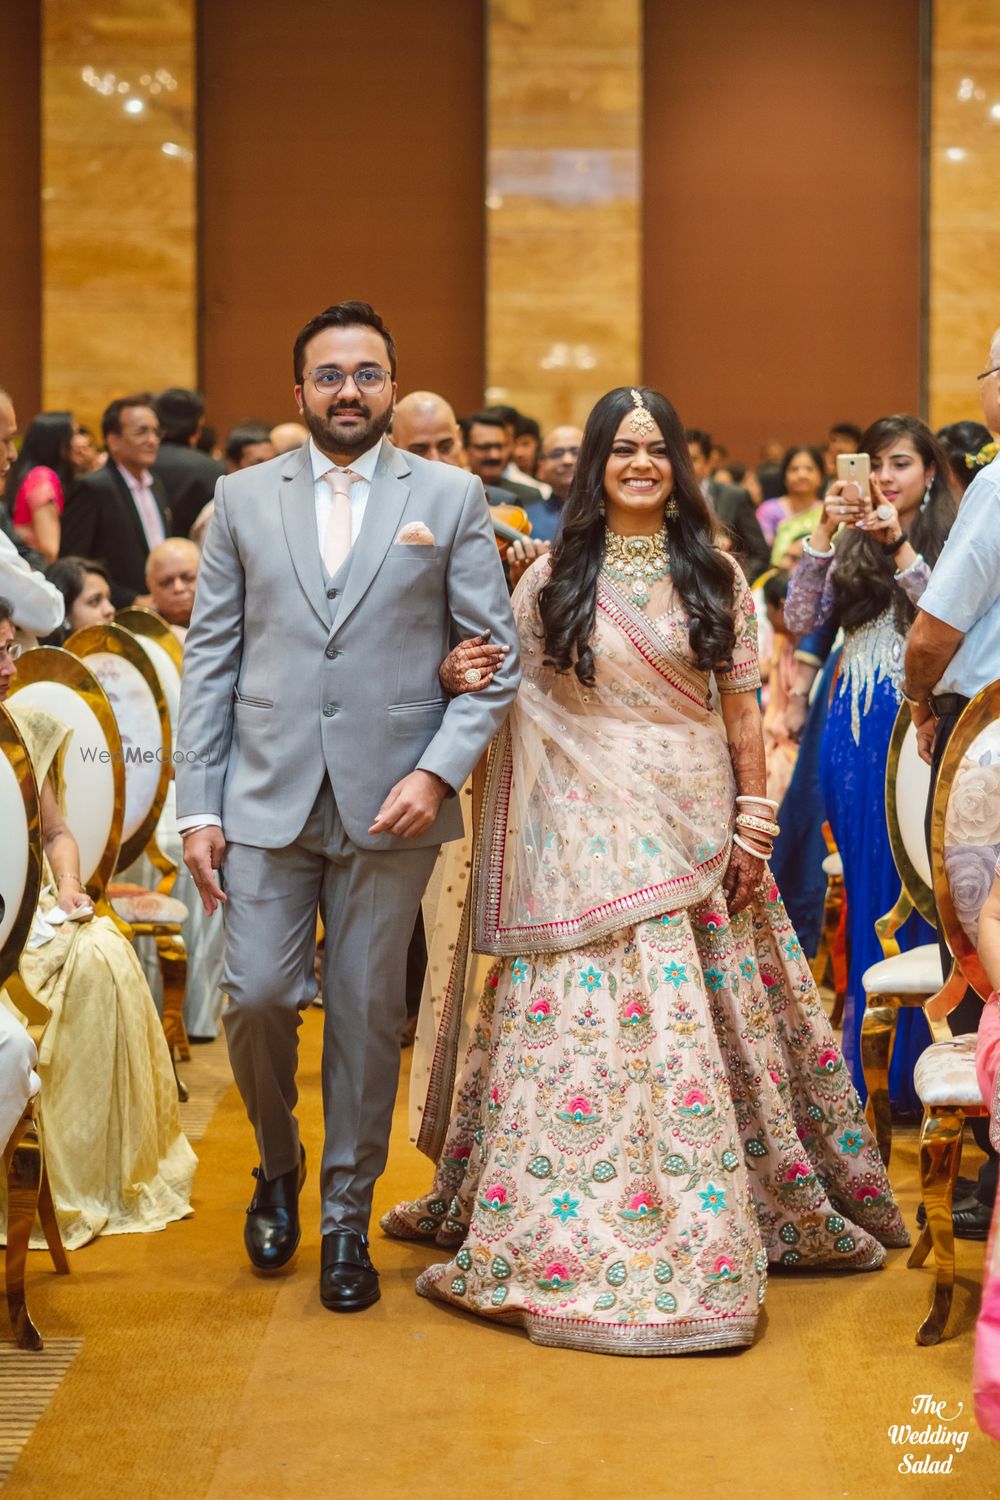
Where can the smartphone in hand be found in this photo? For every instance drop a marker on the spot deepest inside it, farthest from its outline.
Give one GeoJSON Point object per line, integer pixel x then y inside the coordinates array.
{"type": "Point", "coordinates": [854, 470]}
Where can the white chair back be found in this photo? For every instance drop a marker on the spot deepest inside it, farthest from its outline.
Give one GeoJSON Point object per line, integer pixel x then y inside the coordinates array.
{"type": "Point", "coordinates": [20, 847]}
{"type": "Point", "coordinates": [164, 651]}
{"type": "Point", "coordinates": [907, 786]}
{"type": "Point", "coordinates": [970, 805]}
{"type": "Point", "coordinates": [93, 773]}
{"type": "Point", "coordinates": [126, 674]}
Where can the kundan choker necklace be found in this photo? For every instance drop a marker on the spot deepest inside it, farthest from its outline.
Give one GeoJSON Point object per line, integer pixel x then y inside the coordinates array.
{"type": "Point", "coordinates": [636, 562]}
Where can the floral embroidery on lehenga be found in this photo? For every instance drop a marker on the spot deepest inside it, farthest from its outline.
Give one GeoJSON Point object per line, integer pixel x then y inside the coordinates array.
{"type": "Point", "coordinates": [648, 1120]}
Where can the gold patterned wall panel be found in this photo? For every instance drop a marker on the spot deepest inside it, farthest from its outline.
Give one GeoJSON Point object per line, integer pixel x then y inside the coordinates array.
{"type": "Point", "coordinates": [563, 227]}
{"type": "Point", "coordinates": [119, 217]}
{"type": "Point", "coordinates": [964, 218]}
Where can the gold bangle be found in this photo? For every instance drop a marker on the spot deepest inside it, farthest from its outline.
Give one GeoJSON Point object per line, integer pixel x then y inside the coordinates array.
{"type": "Point", "coordinates": [758, 825]}
{"type": "Point", "coordinates": [68, 875]}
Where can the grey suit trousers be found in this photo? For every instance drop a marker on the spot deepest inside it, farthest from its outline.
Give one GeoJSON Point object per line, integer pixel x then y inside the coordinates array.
{"type": "Point", "coordinates": [369, 901]}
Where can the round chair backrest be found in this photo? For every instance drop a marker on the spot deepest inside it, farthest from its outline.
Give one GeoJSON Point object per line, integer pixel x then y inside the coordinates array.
{"type": "Point", "coordinates": [126, 674]}
{"type": "Point", "coordinates": [965, 829]}
{"type": "Point", "coordinates": [164, 651]}
{"type": "Point", "coordinates": [907, 787]}
{"type": "Point", "coordinates": [93, 770]}
{"type": "Point", "coordinates": [20, 847]}
{"type": "Point", "coordinates": [765, 631]}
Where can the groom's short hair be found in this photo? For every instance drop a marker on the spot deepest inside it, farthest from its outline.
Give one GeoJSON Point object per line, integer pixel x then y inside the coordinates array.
{"type": "Point", "coordinates": [342, 315]}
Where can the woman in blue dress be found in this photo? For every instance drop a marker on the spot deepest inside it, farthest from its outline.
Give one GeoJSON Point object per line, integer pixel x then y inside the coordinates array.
{"type": "Point", "coordinates": [865, 566]}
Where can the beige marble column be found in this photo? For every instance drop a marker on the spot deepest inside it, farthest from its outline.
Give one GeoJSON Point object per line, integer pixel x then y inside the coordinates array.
{"type": "Point", "coordinates": [119, 218]}
{"type": "Point", "coordinates": [964, 238]}
{"type": "Point", "coordinates": [563, 230]}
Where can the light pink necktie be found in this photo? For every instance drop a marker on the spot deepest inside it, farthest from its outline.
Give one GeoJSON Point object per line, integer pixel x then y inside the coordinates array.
{"type": "Point", "coordinates": [337, 542]}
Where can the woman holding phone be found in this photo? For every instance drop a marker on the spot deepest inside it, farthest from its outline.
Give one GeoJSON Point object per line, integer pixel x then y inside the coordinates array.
{"type": "Point", "coordinates": [865, 566]}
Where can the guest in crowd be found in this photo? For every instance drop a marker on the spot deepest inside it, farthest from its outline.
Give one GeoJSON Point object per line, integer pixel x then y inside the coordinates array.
{"type": "Point", "coordinates": [986, 1373]}
{"type": "Point", "coordinates": [671, 1022]}
{"type": "Point", "coordinates": [83, 452]}
{"type": "Point", "coordinates": [488, 446]}
{"type": "Point", "coordinates": [36, 603]}
{"type": "Point", "coordinates": [425, 424]}
{"type": "Point", "coordinates": [249, 443]}
{"type": "Point", "coordinates": [844, 437]}
{"type": "Point", "coordinates": [86, 590]}
{"type": "Point", "coordinates": [970, 447]}
{"type": "Point", "coordinates": [171, 580]}
{"type": "Point", "coordinates": [527, 443]}
{"type": "Point", "coordinates": [207, 441]}
{"type": "Point", "coordinates": [38, 480]}
{"type": "Point", "coordinates": [120, 513]}
{"type": "Point", "coordinates": [952, 654]}
{"type": "Point", "coordinates": [513, 475]}
{"type": "Point", "coordinates": [732, 505]}
{"type": "Point", "coordinates": [288, 435]}
{"type": "Point", "coordinates": [801, 496]}
{"type": "Point", "coordinates": [118, 1161]}
{"type": "Point", "coordinates": [188, 476]}
{"type": "Point", "coordinates": [780, 746]}
{"type": "Point", "coordinates": [556, 466]}
{"type": "Point", "coordinates": [865, 568]}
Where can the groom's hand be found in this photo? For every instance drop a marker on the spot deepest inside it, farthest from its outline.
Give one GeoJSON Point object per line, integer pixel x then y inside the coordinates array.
{"type": "Point", "coordinates": [411, 806]}
{"type": "Point", "coordinates": [204, 851]}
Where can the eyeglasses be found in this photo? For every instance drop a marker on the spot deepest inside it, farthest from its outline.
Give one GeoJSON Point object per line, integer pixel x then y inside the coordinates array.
{"type": "Point", "coordinates": [558, 453]}
{"type": "Point", "coordinates": [987, 373]}
{"type": "Point", "coordinates": [141, 432]}
{"type": "Point", "coordinates": [12, 650]}
{"type": "Point", "coordinates": [328, 380]}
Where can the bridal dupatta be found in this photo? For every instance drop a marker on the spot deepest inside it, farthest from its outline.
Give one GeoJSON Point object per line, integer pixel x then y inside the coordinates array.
{"type": "Point", "coordinates": [605, 805]}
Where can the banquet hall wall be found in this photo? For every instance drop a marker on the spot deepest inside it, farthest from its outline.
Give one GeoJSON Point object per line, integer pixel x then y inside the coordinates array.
{"type": "Point", "coordinates": [20, 207]}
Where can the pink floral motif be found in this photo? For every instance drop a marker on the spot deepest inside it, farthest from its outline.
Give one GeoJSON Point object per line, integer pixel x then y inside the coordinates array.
{"type": "Point", "coordinates": [641, 1203]}
{"type": "Point", "coordinates": [829, 1060]}
{"type": "Point", "coordinates": [867, 1194]}
{"type": "Point", "coordinates": [799, 1171]}
{"type": "Point", "coordinates": [723, 1265]}
{"type": "Point", "coordinates": [495, 1196]}
{"type": "Point", "coordinates": [579, 1105]}
{"type": "Point", "coordinates": [695, 1100]}
{"type": "Point", "coordinates": [635, 1011]}
{"type": "Point", "coordinates": [539, 1008]}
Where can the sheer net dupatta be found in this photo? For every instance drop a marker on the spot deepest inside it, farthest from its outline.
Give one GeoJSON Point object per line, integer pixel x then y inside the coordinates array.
{"type": "Point", "coordinates": [605, 805]}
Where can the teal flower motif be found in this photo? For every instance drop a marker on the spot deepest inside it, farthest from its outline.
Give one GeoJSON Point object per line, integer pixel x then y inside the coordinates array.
{"type": "Point", "coordinates": [591, 979]}
{"type": "Point", "coordinates": [851, 1142]}
{"type": "Point", "coordinates": [564, 1208]}
{"type": "Point", "coordinates": [703, 852]}
{"type": "Point", "coordinates": [649, 847]}
{"type": "Point", "coordinates": [715, 978]}
{"type": "Point", "coordinates": [519, 970]}
{"type": "Point", "coordinates": [748, 968]}
{"type": "Point", "coordinates": [675, 974]}
{"type": "Point", "coordinates": [598, 846]}
{"type": "Point", "coordinates": [793, 948]}
{"type": "Point", "coordinates": [713, 1199]}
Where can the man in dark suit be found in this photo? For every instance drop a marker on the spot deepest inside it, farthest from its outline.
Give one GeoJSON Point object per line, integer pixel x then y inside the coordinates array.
{"type": "Point", "coordinates": [734, 508]}
{"type": "Point", "coordinates": [119, 513]}
{"type": "Point", "coordinates": [488, 447]}
{"type": "Point", "coordinates": [188, 476]}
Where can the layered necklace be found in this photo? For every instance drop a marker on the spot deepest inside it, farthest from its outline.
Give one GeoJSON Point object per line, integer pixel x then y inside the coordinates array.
{"type": "Point", "coordinates": [636, 563]}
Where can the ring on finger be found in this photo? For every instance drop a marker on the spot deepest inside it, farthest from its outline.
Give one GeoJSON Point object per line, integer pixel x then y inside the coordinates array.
{"type": "Point", "coordinates": [473, 675]}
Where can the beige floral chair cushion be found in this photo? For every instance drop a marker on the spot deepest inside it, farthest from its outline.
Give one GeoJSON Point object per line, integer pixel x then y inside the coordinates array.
{"type": "Point", "coordinates": [946, 1074]}
{"type": "Point", "coordinates": [916, 972]}
{"type": "Point", "coordinates": [134, 903]}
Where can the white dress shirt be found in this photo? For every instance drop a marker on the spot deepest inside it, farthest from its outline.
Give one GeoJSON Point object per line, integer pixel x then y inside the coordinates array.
{"type": "Point", "coordinates": [38, 605]}
{"type": "Point", "coordinates": [964, 590]}
{"type": "Point", "coordinates": [364, 467]}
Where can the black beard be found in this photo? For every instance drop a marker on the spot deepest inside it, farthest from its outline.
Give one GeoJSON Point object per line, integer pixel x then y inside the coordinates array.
{"type": "Point", "coordinates": [328, 440]}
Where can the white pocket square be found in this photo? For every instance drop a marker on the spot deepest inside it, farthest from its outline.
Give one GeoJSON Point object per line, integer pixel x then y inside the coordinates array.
{"type": "Point", "coordinates": [416, 534]}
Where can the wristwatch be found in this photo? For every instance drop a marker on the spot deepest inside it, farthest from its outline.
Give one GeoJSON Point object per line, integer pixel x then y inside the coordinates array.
{"type": "Point", "coordinates": [891, 548]}
{"type": "Point", "coordinates": [917, 702]}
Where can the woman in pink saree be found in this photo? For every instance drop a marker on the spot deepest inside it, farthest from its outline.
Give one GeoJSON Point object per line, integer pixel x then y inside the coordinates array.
{"type": "Point", "coordinates": [653, 1107]}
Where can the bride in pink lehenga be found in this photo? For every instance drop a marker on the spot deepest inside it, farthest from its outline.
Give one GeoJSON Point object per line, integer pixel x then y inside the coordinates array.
{"type": "Point", "coordinates": [653, 1107]}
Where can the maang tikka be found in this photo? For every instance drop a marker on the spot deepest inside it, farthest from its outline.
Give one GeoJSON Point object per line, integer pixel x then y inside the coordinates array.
{"type": "Point", "coordinates": [642, 422]}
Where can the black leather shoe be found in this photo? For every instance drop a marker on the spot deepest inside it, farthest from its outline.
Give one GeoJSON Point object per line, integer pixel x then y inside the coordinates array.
{"type": "Point", "coordinates": [964, 1193]}
{"type": "Point", "coordinates": [271, 1233]}
{"type": "Point", "coordinates": [348, 1281]}
{"type": "Point", "coordinates": [972, 1220]}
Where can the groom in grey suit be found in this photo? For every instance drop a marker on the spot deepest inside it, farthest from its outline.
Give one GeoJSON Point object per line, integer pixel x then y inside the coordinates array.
{"type": "Point", "coordinates": [322, 761]}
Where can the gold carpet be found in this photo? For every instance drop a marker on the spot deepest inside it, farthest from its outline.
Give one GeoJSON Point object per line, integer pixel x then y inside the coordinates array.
{"type": "Point", "coordinates": [198, 1380]}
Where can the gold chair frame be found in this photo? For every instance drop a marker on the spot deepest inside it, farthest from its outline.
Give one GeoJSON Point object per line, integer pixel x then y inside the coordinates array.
{"type": "Point", "coordinates": [28, 1189]}
{"type": "Point", "coordinates": [944, 1124]}
{"type": "Point", "coordinates": [148, 623]}
{"type": "Point", "coordinates": [878, 1025]}
{"type": "Point", "coordinates": [167, 935]}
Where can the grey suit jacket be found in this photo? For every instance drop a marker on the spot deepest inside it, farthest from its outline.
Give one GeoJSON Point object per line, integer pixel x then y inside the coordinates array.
{"type": "Point", "coordinates": [284, 684]}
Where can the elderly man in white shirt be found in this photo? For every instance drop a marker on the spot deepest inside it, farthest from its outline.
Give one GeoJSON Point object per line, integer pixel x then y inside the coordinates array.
{"type": "Point", "coordinates": [953, 652]}
{"type": "Point", "coordinates": [37, 605]}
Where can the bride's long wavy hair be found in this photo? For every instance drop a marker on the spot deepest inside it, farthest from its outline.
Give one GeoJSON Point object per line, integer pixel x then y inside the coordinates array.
{"type": "Point", "coordinates": [702, 576]}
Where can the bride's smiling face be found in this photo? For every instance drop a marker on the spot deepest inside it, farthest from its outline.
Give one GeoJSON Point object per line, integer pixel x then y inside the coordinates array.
{"type": "Point", "coordinates": [638, 479]}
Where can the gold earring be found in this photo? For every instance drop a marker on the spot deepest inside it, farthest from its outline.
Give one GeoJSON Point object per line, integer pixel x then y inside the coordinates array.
{"type": "Point", "coordinates": [671, 510]}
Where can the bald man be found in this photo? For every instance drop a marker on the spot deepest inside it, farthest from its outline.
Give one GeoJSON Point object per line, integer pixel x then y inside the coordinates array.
{"type": "Point", "coordinates": [171, 578]}
{"type": "Point", "coordinates": [557, 460]}
{"type": "Point", "coordinates": [424, 423]}
{"type": "Point", "coordinates": [288, 435]}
